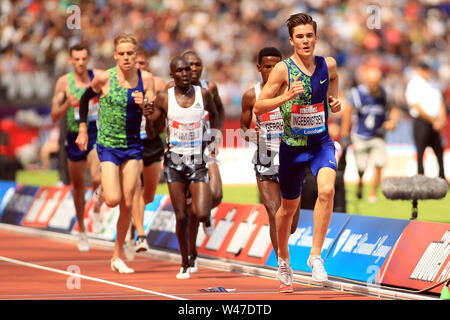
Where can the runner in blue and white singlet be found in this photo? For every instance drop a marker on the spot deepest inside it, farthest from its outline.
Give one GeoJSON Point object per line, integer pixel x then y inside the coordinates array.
{"type": "Point", "coordinates": [304, 86]}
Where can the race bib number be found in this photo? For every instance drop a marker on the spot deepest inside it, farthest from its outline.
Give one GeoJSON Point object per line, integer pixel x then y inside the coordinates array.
{"type": "Point", "coordinates": [272, 122]}
{"type": "Point", "coordinates": [143, 133]}
{"type": "Point", "coordinates": [93, 110]}
{"type": "Point", "coordinates": [308, 120]}
{"type": "Point", "coordinates": [271, 125]}
{"type": "Point", "coordinates": [186, 137]}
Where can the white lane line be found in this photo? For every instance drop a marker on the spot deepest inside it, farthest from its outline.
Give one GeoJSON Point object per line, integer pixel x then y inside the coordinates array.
{"type": "Point", "coordinates": [36, 266]}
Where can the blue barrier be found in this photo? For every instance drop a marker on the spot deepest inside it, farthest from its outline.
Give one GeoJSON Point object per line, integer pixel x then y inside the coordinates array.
{"type": "Point", "coordinates": [19, 204]}
{"type": "Point", "coordinates": [7, 191]}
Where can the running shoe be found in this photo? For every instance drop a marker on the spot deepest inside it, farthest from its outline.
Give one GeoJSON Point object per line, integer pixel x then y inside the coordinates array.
{"type": "Point", "coordinates": [129, 249]}
{"type": "Point", "coordinates": [141, 244]}
{"type": "Point", "coordinates": [208, 226]}
{"type": "Point", "coordinates": [285, 275]}
{"type": "Point", "coordinates": [97, 225]}
{"type": "Point", "coordinates": [193, 264]}
{"type": "Point", "coordinates": [318, 271]}
{"type": "Point", "coordinates": [120, 266]}
{"type": "Point", "coordinates": [83, 244]}
{"type": "Point", "coordinates": [184, 273]}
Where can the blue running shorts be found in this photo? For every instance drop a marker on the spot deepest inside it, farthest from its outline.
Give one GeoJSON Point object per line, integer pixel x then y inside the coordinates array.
{"type": "Point", "coordinates": [295, 159]}
{"type": "Point", "coordinates": [73, 152]}
{"type": "Point", "coordinates": [119, 155]}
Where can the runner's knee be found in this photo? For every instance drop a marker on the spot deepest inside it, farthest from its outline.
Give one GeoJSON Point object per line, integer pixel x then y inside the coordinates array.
{"type": "Point", "coordinates": [326, 193]}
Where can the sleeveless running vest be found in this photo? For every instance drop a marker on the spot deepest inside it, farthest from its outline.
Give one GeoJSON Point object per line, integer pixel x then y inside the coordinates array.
{"type": "Point", "coordinates": [120, 118]}
{"type": "Point", "coordinates": [270, 125]}
{"type": "Point", "coordinates": [305, 117]}
{"type": "Point", "coordinates": [204, 84]}
{"type": "Point", "coordinates": [185, 125]}
{"type": "Point", "coordinates": [73, 113]}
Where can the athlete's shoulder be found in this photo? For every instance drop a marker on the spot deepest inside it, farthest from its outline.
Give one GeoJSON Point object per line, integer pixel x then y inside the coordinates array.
{"type": "Point", "coordinates": [97, 71]}
{"type": "Point", "coordinates": [102, 75]}
{"type": "Point", "coordinates": [62, 83]}
{"type": "Point", "coordinates": [205, 92]}
{"type": "Point", "coordinates": [146, 75]}
{"type": "Point", "coordinates": [63, 80]}
{"type": "Point", "coordinates": [170, 84]}
{"type": "Point", "coordinates": [249, 98]}
{"type": "Point", "coordinates": [331, 62]}
{"type": "Point", "coordinates": [249, 93]}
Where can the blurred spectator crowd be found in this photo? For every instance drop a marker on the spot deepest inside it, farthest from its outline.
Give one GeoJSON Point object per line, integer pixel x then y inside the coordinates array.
{"type": "Point", "coordinates": [393, 35]}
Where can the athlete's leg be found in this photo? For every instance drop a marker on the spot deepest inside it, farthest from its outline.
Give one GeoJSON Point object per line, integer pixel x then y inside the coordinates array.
{"type": "Point", "coordinates": [324, 207]}
{"type": "Point", "coordinates": [77, 170]}
{"type": "Point", "coordinates": [198, 211]}
{"type": "Point", "coordinates": [270, 196]}
{"type": "Point", "coordinates": [151, 180]}
{"type": "Point", "coordinates": [296, 217]}
{"type": "Point", "coordinates": [283, 222]}
{"type": "Point", "coordinates": [193, 232]}
{"type": "Point", "coordinates": [139, 205]}
{"type": "Point", "coordinates": [215, 183]}
{"type": "Point", "coordinates": [137, 210]}
{"type": "Point", "coordinates": [201, 200]}
{"type": "Point", "coordinates": [94, 171]}
{"type": "Point", "coordinates": [129, 174]}
{"type": "Point", "coordinates": [112, 192]}
{"type": "Point", "coordinates": [177, 191]}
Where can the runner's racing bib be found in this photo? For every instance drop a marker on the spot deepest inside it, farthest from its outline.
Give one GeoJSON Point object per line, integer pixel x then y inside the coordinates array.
{"type": "Point", "coordinates": [93, 110]}
{"type": "Point", "coordinates": [271, 128]}
{"type": "Point", "coordinates": [186, 138]}
{"type": "Point", "coordinates": [308, 120]}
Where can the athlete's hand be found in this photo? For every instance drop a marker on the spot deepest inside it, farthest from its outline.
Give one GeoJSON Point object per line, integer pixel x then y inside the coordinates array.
{"type": "Point", "coordinates": [296, 88]}
{"type": "Point", "coordinates": [82, 138]}
{"type": "Point", "coordinates": [139, 98]}
{"type": "Point", "coordinates": [148, 109]}
{"type": "Point", "coordinates": [335, 104]}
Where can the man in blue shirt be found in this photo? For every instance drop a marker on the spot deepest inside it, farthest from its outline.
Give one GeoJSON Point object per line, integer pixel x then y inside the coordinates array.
{"type": "Point", "coordinates": [369, 114]}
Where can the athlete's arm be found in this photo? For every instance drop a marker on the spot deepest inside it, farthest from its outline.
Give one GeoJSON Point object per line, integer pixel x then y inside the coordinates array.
{"type": "Point", "coordinates": [218, 103]}
{"type": "Point", "coordinates": [96, 88]}
{"type": "Point", "coordinates": [333, 88]}
{"type": "Point", "coordinates": [160, 84]}
{"type": "Point", "coordinates": [213, 119]}
{"type": "Point", "coordinates": [141, 98]}
{"type": "Point", "coordinates": [248, 100]}
{"type": "Point", "coordinates": [157, 109]}
{"type": "Point", "coordinates": [60, 102]}
{"type": "Point", "coordinates": [211, 108]}
{"type": "Point", "coordinates": [269, 99]}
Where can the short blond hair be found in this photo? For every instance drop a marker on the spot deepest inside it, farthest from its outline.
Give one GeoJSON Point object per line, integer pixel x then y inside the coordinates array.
{"type": "Point", "coordinates": [124, 38]}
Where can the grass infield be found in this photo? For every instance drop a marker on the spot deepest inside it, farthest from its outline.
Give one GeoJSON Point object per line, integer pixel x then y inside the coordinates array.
{"type": "Point", "coordinates": [429, 210]}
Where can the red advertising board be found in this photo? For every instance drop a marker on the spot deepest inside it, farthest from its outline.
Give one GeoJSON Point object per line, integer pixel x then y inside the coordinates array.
{"type": "Point", "coordinates": [420, 259]}
{"type": "Point", "coordinates": [44, 205]}
{"type": "Point", "coordinates": [241, 233]}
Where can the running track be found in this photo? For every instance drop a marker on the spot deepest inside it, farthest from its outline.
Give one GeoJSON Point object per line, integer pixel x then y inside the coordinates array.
{"type": "Point", "coordinates": [34, 267]}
